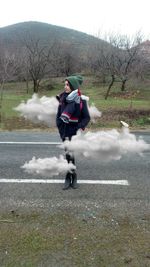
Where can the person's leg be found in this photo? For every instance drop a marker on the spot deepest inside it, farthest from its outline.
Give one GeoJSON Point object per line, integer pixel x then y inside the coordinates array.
{"type": "Point", "coordinates": [67, 183]}
{"type": "Point", "coordinates": [74, 183]}
{"type": "Point", "coordinates": [70, 158]}
{"type": "Point", "coordinates": [71, 177]}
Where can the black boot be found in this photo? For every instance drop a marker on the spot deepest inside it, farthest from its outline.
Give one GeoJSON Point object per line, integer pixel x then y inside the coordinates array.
{"type": "Point", "coordinates": [74, 184]}
{"type": "Point", "coordinates": [67, 181]}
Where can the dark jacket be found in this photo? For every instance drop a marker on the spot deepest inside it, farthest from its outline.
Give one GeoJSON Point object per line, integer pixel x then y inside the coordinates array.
{"type": "Point", "coordinates": [71, 116]}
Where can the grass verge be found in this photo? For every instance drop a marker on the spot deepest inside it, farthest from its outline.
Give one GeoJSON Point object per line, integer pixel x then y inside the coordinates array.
{"type": "Point", "coordinates": [66, 239]}
{"type": "Point", "coordinates": [133, 105]}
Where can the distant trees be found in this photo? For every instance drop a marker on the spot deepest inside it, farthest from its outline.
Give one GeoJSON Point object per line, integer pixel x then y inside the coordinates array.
{"type": "Point", "coordinates": [39, 60]}
{"type": "Point", "coordinates": [116, 59]}
{"type": "Point", "coordinates": [142, 68]}
{"type": "Point", "coordinates": [64, 58]}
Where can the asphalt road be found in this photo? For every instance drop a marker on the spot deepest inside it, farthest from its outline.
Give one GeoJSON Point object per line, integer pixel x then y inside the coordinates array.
{"type": "Point", "coordinates": [134, 168]}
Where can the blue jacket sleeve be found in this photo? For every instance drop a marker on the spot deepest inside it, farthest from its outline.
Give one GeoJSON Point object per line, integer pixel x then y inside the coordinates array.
{"type": "Point", "coordinates": [85, 116]}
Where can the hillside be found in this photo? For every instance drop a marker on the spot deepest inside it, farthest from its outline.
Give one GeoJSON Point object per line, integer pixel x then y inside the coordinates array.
{"type": "Point", "coordinates": [14, 34]}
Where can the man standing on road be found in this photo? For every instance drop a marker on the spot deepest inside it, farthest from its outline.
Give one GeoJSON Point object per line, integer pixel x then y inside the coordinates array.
{"type": "Point", "coordinates": [72, 115]}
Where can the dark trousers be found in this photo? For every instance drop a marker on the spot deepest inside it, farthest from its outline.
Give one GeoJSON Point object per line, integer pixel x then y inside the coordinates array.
{"type": "Point", "coordinates": [71, 176]}
{"type": "Point", "coordinates": [69, 154]}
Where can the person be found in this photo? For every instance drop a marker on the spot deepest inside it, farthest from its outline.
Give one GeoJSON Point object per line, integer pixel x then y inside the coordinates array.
{"type": "Point", "coordinates": [72, 115]}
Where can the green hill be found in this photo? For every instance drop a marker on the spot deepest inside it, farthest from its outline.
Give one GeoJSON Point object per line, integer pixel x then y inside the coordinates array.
{"type": "Point", "coordinates": [47, 33]}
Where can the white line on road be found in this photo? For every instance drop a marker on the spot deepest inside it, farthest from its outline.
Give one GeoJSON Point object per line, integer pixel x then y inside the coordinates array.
{"type": "Point", "coordinates": [59, 181]}
{"type": "Point", "coordinates": [30, 143]}
{"type": "Point", "coordinates": [40, 143]}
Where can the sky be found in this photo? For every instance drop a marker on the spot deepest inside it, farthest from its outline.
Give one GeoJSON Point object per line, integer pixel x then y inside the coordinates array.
{"type": "Point", "coordinates": [96, 17]}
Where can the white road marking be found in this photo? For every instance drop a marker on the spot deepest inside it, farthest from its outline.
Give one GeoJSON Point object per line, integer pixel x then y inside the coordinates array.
{"type": "Point", "coordinates": [30, 143]}
{"type": "Point", "coordinates": [112, 182]}
{"type": "Point", "coordinates": [56, 181]}
{"type": "Point", "coordinates": [41, 143]}
{"type": "Point", "coordinates": [60, 181]}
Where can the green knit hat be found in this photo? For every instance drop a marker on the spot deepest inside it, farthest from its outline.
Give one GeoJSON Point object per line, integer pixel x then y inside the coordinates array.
{"type": "Point", "coordinates": [75, 81]}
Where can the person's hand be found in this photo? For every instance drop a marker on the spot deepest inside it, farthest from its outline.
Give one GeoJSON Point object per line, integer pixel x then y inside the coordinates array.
{"type": "Point", "coordinates": [64, 119]}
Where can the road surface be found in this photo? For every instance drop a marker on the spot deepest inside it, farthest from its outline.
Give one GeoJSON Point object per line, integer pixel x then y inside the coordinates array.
{"type": "Point", "coordinates": [96, 225]}
{"type": "Point", "coordinates": [131, 168]}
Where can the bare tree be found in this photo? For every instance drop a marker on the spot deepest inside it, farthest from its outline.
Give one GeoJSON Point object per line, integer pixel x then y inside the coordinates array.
{"type": "Point", "coordinates": [95, 61]}
{"type": "Point", "coordinates": [56, 58]}
{"type": "Point", "coordinates": [36, 58]}
{"type": "Point", "coordinates": [141, 69]}
{"type": "Point", "coordinates": [69, 59]}
{"type": "Point", "coordinates": [115, 58]}
{"type": "Point", "coordinates": [64, 58]}
{"type": "Point", "coordinates": [102, 59]}
{"type": "Point", "coordinates": [8, 69]}
{"type": "Point", "coordinates": [126, 56]}
{"type": "Point", "coordinates": [23, 67]}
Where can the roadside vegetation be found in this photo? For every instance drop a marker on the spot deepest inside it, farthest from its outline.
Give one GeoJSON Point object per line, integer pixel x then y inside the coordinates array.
{"type": "Point", "coordinates": [37, 58]}
{"type": "Point", "coordinates": [131, 105]}
{"type": "Point", "coordinates": [63, 239]}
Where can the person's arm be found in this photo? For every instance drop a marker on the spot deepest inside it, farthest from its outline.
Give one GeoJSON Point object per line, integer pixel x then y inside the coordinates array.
{"type": "Point", "coordinates": [85, 116]}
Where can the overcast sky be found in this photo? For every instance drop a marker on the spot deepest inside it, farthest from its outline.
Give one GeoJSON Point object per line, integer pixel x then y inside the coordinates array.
{"type": "Point", "coordinates": [91, 16]}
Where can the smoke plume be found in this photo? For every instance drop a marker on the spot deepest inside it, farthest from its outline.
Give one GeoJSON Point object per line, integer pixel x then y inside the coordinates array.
{"type": "Point", "coordinates": [94, 112]}
{"type": "Point", "coordinates": [44, 109]}
{"type": "Point", "coordinates": [39, 109]}
{"type": "Point", "coordinates": [106, 145]}
{"type": "Point", "coordinates": [48, 166]}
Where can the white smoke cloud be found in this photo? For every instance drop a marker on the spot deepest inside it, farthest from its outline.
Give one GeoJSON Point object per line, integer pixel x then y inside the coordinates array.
{"type": "Point", "coordinates": [106, 145]}
{"type": "Point", "coordinates": [44, 109]}
{"type": "Point", "coordinates": [48, 166]}
{"type": "Point", "coordinates": [102, 145]}
{"type": "Point", "coordinates": [94, 112]}
{"type": "Point", "coordinates": [39, 109]}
